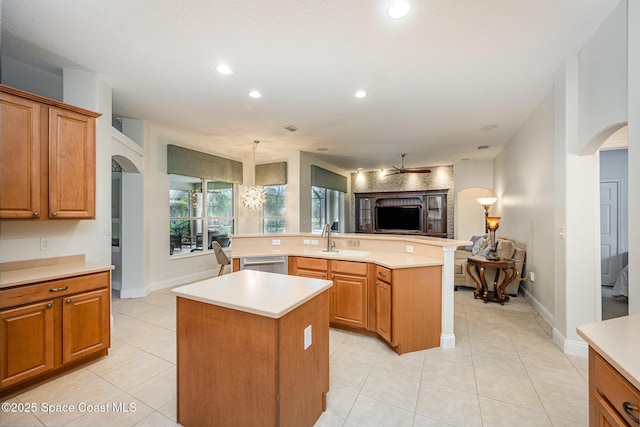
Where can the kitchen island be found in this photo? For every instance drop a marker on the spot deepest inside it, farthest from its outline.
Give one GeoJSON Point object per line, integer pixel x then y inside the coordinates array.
{"type": "Point", "coordinates": [253, 349]}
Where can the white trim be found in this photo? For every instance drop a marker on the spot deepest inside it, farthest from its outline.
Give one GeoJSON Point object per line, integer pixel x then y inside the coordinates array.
{"type": "Point", "coordinates": [542, 311]}
{"type": "Point", "coordinates": [447, 341]}
{"type": "Point", "coordinates": [132, 293]}
{"type": "Point", "coordinates": [127, 142]}
{"type": "Point", "coordinates": [570, 347]}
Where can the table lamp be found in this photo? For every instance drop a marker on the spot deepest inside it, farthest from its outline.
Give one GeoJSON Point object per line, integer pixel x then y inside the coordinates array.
{"type": "Point", "coordinates": [486, 203]}
{"type": "Point", "coordinates": [493, 222]}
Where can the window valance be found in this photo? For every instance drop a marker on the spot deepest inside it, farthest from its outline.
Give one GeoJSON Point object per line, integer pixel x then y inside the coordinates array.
{"type": "Point", "coordinates": [271, 174]}
{"type": "Point", "coordinates": [183, 161]}
{"type": "Point", "coordinates": [326, 179]}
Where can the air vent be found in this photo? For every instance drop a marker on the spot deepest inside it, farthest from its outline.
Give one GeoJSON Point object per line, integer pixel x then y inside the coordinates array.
{"type": "Point", "coordinates": [483, 147]}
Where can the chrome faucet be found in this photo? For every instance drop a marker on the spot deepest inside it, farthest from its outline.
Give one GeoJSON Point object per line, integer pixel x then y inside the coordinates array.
{"type": "Point", "coordinates": [326, 230]}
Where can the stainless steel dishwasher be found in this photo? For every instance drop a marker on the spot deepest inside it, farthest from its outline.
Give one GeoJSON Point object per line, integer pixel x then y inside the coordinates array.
{"type": "Point", "coordinates": [270, 264]}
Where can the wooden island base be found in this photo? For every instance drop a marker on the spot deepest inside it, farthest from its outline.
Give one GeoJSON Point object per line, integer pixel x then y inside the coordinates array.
{"type": "Point", "coordinates": [239, 368]}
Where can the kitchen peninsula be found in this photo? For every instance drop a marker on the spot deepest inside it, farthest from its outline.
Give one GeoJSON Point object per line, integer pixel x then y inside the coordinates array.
{"type": "Point", "coordinates": [253, 349]}
{"type": "Point", "coordinates": [395, 286]}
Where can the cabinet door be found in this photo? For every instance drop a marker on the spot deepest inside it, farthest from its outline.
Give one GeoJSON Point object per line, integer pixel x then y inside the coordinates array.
{"type": "Point", "coordinates": [26, 348]}
{"type": "Point", "coordinates": [364, 214]}
{"type": "Point", "coordinates": [85, 324]}
{"type": "Point", "coordinates": [349, 300]}
{"type": "Point", "coordinates": [383, 310]}
{"type": "Point", "coordinates": [19, 158]}
{"type": "Point", "coordinates": [437, 215]}
{"type": "Point", "coordinates": [72, 159]}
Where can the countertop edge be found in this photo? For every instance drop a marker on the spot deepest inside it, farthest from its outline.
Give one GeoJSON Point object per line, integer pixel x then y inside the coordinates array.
{"type": "Point", "coordinates": [34, 275]}
{"type": "Point", "coordinates": [588, 331]}
{"type": "Point", "coordinates": [253, 310]}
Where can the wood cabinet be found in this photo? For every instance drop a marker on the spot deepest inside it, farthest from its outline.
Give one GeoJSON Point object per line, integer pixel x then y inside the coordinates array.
{"type": "Point", "coordinates": [613, 401]}
{"type": "Point", "coordinates": [403, 306]}
{"type": "Point", "coordinates": [47, 158]}
{"type": "Point", "coordinates": [51, 326]}
{"type": "Point", "coordinates": [349, 293]}
{"type": "Point", "coordinates": [383, 303]}
{"type": "Point", "coordinates": [348, 305]}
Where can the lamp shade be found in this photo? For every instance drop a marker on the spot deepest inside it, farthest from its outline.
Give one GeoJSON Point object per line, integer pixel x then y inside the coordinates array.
{"type": "Point", "coordinates": [487, 201]}
{"type": "Point", "coordinates": [493, 222]}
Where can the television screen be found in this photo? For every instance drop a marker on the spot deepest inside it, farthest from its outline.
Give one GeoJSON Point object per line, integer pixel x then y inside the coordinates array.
{"type": "Point", "coordinates": [397, 218]}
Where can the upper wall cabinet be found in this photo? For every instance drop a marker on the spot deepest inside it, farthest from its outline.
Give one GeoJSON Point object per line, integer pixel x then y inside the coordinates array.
{"type": "Point", "coordinates": [47, 158]}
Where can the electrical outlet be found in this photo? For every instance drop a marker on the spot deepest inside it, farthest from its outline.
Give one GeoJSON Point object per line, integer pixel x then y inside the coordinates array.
{"type": "Point", "coordinates": [314, 242]}
{"type": "Point", "coordinates": [307, 337]}
{"type": "Point", "coordinates": [275, 242]}
{"type": "Point", "coordinates": [198, 262]}
{"type": "Point", "coordinates": [45, 244]}
{"type": "Point", "coordinates": [409, 249]}
{"type": "Point", "coordinates": [306, 242]}
{"type": "Point", "coordinates": [532, 276]}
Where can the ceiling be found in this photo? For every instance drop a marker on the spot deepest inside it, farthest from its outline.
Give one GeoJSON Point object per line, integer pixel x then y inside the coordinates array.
{"type": "Point", "coordinates": [433, 78]}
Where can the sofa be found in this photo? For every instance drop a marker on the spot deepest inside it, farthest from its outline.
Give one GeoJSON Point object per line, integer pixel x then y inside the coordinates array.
{"type": "Point", "coordinates": [506, 249]}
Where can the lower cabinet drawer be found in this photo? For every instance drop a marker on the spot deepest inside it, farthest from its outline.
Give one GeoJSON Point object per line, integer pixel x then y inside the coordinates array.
{"type": "Point", "coordinates": [613, 387]}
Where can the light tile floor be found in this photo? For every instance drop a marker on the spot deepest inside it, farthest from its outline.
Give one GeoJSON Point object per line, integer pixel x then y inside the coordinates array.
{"type": "Point", "coordinates": [504, 371]}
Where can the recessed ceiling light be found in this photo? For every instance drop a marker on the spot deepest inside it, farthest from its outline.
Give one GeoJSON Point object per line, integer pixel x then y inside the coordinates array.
{"type": "Point", "coordinates": [323, 149]}
{"type": "Point", "coordinates": [255, 94]}
{"type": "Point", "coordinates": [488, 127]}
{"type": "Point", "coordinates": [224, 69]}
{"type": "Point", "coordinates": [360, 94]}
{"type": "Point", "coordinates": [291, 128]}
{"type": "Point", "coordinates": [399, 9]}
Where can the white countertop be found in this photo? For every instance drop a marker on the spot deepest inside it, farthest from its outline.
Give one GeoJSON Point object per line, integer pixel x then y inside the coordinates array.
{"type": "Point", "coordinates": [618, 342]}
{"type": "Point", "coordinates": [265, 294]}
{"type": "Point", "coordinates": [40, 270]}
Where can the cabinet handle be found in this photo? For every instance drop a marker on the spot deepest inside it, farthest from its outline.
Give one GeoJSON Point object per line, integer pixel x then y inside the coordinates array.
{"type": "Point", "coordinates": [382, 274]}
{"type": "Point", "coordinates": [628, 407]}
{"type": "Point", "coordinates": [64, 288]}
{"type": "Point", "coordinates": [54, 214]}
{"type": "Point", "coordinates": [49, 305]}
{"type": "Point", "coordinates": [333, 276]}
{"type": "Point", "coordinates": [68, 301]}
{"type": "Point", "coordinates": [36, 214]}
{"type": "Point", "coordinates": [377, 283]}
{"type": "Point", "coordinates": [324, 276]}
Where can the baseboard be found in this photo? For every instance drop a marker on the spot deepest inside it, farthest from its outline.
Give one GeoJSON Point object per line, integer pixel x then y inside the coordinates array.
{"type": "Point", "coordinates": [542, 311]}
{"type": "Point", "coordinates": [177, 281]}
{"type": "Point", "coordinates": [447, 341]}
{"type": "Point", "coordinates": [132, 293]}
{"type": "Point", "coordinates": [570, 347]}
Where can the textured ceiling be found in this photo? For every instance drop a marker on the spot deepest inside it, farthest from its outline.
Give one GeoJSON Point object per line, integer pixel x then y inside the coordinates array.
{"type": "Point", "coordinates": [434, 78]}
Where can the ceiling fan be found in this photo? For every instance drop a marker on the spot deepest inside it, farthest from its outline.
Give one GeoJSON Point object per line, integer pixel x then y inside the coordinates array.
{"type": "Point", "coordinates": [402, 169]}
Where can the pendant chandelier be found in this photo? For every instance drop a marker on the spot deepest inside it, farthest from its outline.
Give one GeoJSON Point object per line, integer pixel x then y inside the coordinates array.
{"type": "Point", "coordinates": [254, 196]}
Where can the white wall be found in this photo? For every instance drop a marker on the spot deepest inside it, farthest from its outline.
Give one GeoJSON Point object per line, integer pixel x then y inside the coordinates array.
{"type": "Point", "coordinates": [524, 184]}
{"type": "Point", "coordinates": [603, 81]}
{"type": "Point", "coordinates": [472, 179]}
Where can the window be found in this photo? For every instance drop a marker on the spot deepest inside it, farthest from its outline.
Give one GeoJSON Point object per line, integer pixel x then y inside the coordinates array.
{"type": "Point", "coordinates": [273, 212]}
{"type": "Point", "coordinates": [327, 207]}
{"type": "Point", "coordinates": [188, 216]}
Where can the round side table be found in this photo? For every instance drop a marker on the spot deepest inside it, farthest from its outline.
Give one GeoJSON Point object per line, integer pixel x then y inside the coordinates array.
{"type": "Point", "coordinates": [480, 264]}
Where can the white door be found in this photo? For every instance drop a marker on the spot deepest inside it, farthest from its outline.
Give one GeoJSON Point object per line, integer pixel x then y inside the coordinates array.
{"type": "Point", "coordinates": [610, 256]}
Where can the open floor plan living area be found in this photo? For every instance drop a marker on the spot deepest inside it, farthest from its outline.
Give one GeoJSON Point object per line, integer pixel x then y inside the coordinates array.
{"type": "Point", "coordinates": [292, 213]}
